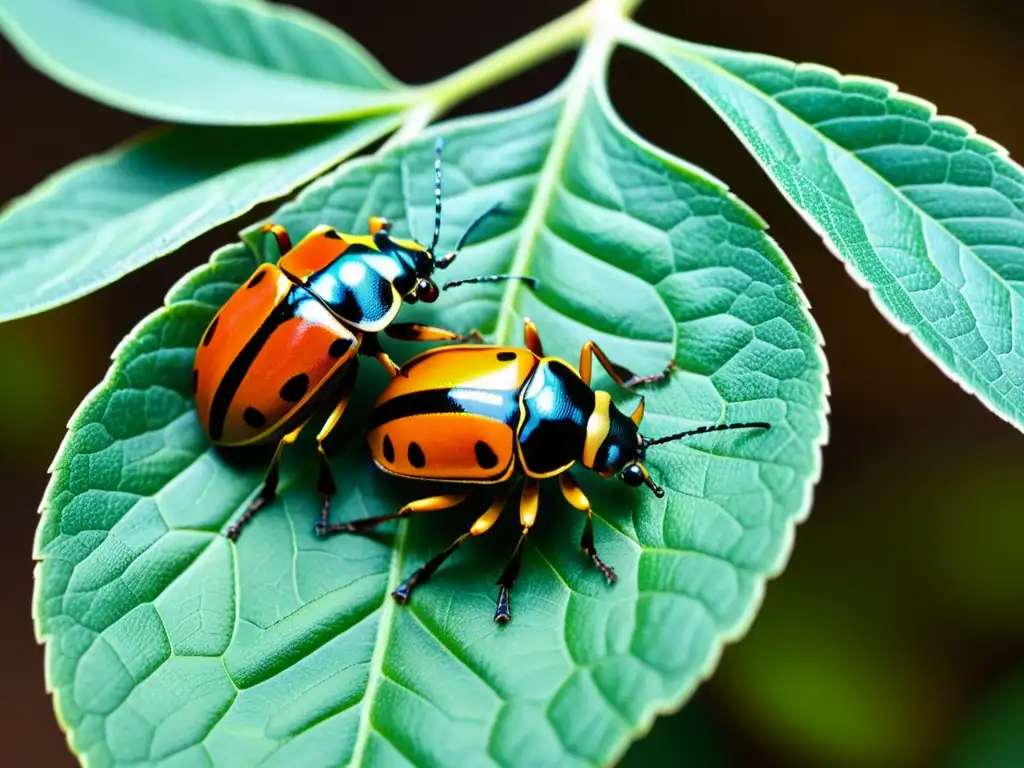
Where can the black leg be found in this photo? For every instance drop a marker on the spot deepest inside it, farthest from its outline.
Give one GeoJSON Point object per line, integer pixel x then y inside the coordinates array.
{"type": "Point", "coordinates": [527, 517]}
{"type": "Point", "coordinates": [420, 332]}
{"type": "Point", "coordinates": [371, 347]}
{"type": "Point", "coordinates": [366, 524]}
{"type": "Point", "coordinates": [325, 484]}
{"type": "Point", "coordinates": [420, 575]}
{"type": "Point", "coordinates": [620, 374]}
{"type": "Point", "coordinates": [574, 495]}
{"type": "Point", "coordinates": [268, 491]}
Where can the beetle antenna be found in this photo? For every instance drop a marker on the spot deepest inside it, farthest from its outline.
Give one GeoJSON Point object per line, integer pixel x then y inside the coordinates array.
{"type": "Point", "coordinates": [648, 442]}
{"type": "Point", "coordinates": [657, 489]}
{"type": "Point", "coordinates": [532, 281]}
{"type": "Point", "coordinates": [438, 146]}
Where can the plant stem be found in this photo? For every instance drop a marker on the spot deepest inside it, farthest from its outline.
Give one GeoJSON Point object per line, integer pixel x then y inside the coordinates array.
{"type": "Point", "coordinates": [557, 36]}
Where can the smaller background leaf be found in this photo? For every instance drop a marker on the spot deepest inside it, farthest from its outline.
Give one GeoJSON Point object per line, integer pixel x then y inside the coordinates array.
{"type": "Point", "coordinates": [234, 62]}
{"type": "Point", "coordinates": [103, 217]}
{"type": "Point", "coordinates": [926, 213]}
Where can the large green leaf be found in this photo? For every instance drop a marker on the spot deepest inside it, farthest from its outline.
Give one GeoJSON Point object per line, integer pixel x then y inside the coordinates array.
{"type": "Point", "coordinates": [234, 62]}
{"type": "Point", "coordinates": [926, 213]}
{"type": "Point", "coordinates": [168, 643]}
{"type": "Point", "coordinates": [108, 215]}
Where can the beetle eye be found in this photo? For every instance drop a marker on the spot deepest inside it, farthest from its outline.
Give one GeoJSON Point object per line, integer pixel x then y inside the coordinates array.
{"type": "Point", "coordinates": [427, 291]}
{"type": "Point", "coordinates": [633, 476]}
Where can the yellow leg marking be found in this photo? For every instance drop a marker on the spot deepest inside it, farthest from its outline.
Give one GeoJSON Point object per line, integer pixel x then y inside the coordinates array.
{"type": "Point", "coordinates": [268, 491]}
{"type": "Point", "coordinates": [418, 332]}
{"type": "Point", "coordinates": [335, 417]}
{"type": "Point", "coordinates": [576, 498]}
{"type": "Point", "coordinates": [531, 338]}
{"type": "Point", "coordinates": [430, 504]}
{"type": "Point", "coordinates": [527, 517]}
{"type": "Point", "coordinates": [325, 479]}
{"type": "Point", "coordinates": [388, 364]}
{"type": "Point", "coordinates": [421, 574]}
{"type": "Point", "coordinates": [528, 503]}
{"type": "Point", "coordinates": [490, 517]}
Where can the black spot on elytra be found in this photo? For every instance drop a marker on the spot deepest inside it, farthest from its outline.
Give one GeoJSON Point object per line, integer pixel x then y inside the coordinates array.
{"type": "Point", "coordinates": [485, 455]}
{"type": "Point", "coordinates": [416, 457]}
{"type": "Point", "coordinates": [332, 234]}
{"type": "Point", "coordinates": [254, 418]}
{"type": "Point", "coordinates": [295, 388]}
{"type": "Point", "coordinates": [506, 356]}
{"type": "Point", "coordinates": [339, 347]}
{"type": "Point", "coordinates": [195, 380]}
{"type": "Point", "coordinates": [389, 450]}
{"type": "Point", "coordinates": [210, 331]}
{"type": "Point", "coordinates": [255, 279]}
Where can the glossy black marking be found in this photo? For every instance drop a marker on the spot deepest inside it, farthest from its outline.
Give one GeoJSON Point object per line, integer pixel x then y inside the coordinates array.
{"type": "Point", "coordinates": [501, 406]}
{"type": "Point", "coordinates": [332, 234]}
{"type": "Point", "coordinates": [295, 388]}
{"type": "Point", "coordinates": [416, 457]}
{"type": "Point", "coordinates": [195, 380]}
{"type": "Point", "coordinates": [210, 331]}
{"type": "Point", "coordinates": [255, 279]}
{"type": "Point", "coordinates": [619, 446]}
{"type": "Point", "coordinates": [558, 405]}
{"type": "Point", "coordinates": [485, 455]}
{"type": "Point", "coordinates": [254, 418]}
{"type": "Point", "coordinates": [244, 359]}
{"type": "Point", "coordinates": [506, 356]}
{"type": "Point", "coordinates": [370, 299]}
{"type": "Point", "coordinates": [339, 347]}
{"type": "Point", "coordinates": [388, 450]}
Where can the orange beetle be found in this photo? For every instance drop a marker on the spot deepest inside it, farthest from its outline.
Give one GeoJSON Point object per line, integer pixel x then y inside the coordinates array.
{"type": "Point", "coordinates": [488, 415]}
{"type": "Point", "coordinates": [287, 340]}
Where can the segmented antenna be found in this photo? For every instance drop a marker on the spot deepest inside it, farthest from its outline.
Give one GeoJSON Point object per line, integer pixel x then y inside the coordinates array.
{"type": "Point", "coordinates": [647, 442]}
{"type": "Point", "coordinates": [531, 281]}
{"type": "Point", "coordinates": [438, 146]}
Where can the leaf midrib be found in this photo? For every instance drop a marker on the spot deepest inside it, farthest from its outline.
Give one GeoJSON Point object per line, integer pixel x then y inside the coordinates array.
{"type": "Point", "coordinates": [576, 87]}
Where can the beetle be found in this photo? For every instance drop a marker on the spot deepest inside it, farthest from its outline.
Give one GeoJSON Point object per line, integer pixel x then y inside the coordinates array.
{"type": "Point", "coordinates": [486, 415]}
{"type": "Point", "coordinates": [286, 341]}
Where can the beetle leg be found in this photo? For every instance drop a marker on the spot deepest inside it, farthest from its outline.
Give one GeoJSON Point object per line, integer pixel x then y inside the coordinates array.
{"type": "Point", "coordinates": [620, 374]}
{"type": "Point", "coordinates": [365, 524]}
{"type": "Point", "coordinates": [531, 338]}
{"type": "Point", "coordinates": [325, 484]}
{"type": "Point", "coordinates": [269, 490]}
{"type": "Point", "coordinates": [575, 496]}
{"type": "Point", "coordinates": [371, 347]}
{"type": "Point", "coordinates": [420, 332]}
{"type": "Point", "coordinates": [527, 517]}
{"type": "Point", "coordinates": [424, 572]}
{"type": "Point", "coordinates": [284, 242]}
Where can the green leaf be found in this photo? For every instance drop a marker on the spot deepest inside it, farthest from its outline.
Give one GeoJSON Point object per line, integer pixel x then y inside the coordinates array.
{"type": "Point", "coordinates": [234, 62]}
{"type": "Point", "coordinates": [927, 214]}
{"type": "Point", "coordinates": [288, 649]}
{"type": "Point", "coordinates": [106, 216]}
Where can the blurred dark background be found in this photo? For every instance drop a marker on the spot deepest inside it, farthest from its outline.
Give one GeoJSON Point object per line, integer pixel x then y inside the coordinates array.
{"type": "Point", "coordinates": [903, 605]}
